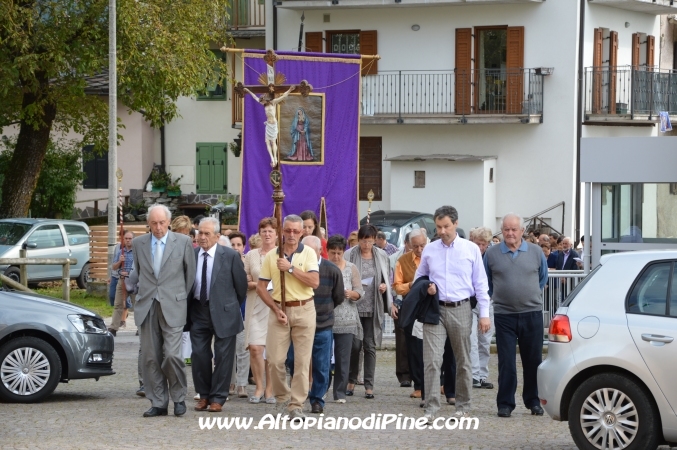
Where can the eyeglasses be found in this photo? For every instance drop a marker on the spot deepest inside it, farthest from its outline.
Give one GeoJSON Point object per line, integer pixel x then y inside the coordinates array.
{"type": "Point", "coordinates": [288, 231]}
{"type": "Point", "coordinates": [365, 242]}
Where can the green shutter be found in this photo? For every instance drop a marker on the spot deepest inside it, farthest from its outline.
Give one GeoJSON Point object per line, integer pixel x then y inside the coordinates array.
{"type": "Point", "coordinates": [219, 168]}
{"type": "Point", "coordinates": [202, 168]}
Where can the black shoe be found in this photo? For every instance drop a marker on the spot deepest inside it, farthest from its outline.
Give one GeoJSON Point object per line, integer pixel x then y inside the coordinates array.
{"type": "Point", "coordinates": [154, 412]}
{"type": "Point", "coordinates": [141, 392]}
{"type": "Point", "coordinates": [179, 408]}
{"type": "Point", "coordinates": [369, 396]}
{"type": "Point", "coordinates": [536, 410]}
{"type": "Point", "coordinates": [476, 383]}
{"type": "Point", "coordinates": [405, 384]}
{"type": "Point", "coordinates": [316, 408]}
{"type": "Point", "coordinates": [349, 393]}
{"type": "Point", "coordinates": [504, 412]}
{"type": "Point", "coordinates": [113, 331]}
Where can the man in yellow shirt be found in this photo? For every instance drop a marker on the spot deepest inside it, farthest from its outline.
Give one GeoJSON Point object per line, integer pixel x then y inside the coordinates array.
{"type": "Point", "coordinates": [405, 270]}
{"type": "Point", "coordinates": [296, 324]}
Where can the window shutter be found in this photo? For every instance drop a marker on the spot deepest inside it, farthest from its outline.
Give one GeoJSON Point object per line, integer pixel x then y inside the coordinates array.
{"type": "Point", "coordinates": [635, 50]}
{"type": "Point", "coordinates": [613, 63]}
{"type": "Point", "coordinates": [102, 171]}
{"type": "Point", "coordinates": [371, 168]}
{"type": "Point", "coordinates": [650, 50]}
{"type": "Point", "coordinates": [89, 167]}
{"type": "Point", "coordinates": [218, 168]}
{"type": "Point", "coordinates": [597, 52]}
{"type": "Point", "coordinates": [368, 46]}
{"type": "Point", "coordinates": [202, 166]}
{"type": "Point", "coordinates": [515, 70]}
{"type": "Point", "coordinates": [314, 41]}
{"type": "Point", "coordinates": [463, 71]}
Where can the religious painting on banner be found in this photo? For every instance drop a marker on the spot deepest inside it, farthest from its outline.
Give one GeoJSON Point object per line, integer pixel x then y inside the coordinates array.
{"type": "Point", "coordinates": [318, 140]}
{"type": "Point", "coordinates": [302, 129]}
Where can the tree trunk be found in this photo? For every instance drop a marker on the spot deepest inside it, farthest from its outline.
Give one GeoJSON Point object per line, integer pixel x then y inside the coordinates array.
{"type": "Point", "coordinates": [24, 169]}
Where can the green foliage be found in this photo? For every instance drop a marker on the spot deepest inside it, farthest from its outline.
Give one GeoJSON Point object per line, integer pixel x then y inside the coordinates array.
{"type": "Point", "coordinates": [173, 185]}
{"type": "Point", "coordinates": [59, 179]}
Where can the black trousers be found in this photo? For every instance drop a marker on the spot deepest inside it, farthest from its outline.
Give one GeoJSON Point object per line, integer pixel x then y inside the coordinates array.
{"type": "Point", "coordinates": [448, 375]}
{"type": "Point", "coordinates": [525, 330]}
{"type": "Point", "coordinates": [401, 362]}
{"type": "Point", "coordinates": [415, 359]}
{"type": "Point", "coordinates": [212, 385]}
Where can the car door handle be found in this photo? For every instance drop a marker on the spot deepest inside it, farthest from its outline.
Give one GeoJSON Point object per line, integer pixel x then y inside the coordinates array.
{"type": "Point", "coordinates": [657, 338]}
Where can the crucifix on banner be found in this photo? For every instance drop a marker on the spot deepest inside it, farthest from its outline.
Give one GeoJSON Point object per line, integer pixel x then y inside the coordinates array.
{"type": "Point", "coordinates": [273, 91]}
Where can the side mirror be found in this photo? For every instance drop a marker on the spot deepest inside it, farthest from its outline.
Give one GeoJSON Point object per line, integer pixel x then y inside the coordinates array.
{"type": "Point", "coordinates": [31, 245]}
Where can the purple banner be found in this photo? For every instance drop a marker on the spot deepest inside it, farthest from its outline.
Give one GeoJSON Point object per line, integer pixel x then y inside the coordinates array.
{"type": "Point", "coordinates": [318, 141]}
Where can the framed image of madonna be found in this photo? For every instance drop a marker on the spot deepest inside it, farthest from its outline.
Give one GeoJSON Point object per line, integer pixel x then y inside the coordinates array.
{"type": "Point", "coordinates": [301, 129]}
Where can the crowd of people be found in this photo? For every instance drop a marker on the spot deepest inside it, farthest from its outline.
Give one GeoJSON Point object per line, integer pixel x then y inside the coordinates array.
{"type": "Point", "coordinates": [201, 301]}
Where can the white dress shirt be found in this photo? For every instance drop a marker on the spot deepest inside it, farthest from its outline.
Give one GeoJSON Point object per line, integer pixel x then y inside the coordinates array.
{"type": "Point", "coordinates": [198, 276]}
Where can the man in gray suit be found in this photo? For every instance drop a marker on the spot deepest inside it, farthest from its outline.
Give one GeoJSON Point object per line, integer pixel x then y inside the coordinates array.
{"type": "Point", "coordinates": [214, 310]}
{"type": "Point", "coordinates": [165, 264]}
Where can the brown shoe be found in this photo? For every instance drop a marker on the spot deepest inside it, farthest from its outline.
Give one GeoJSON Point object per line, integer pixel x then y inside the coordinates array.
{"type": "Point", "coordinates": [202, 405]}
{"type": "Point", "coordinates": [215, 407]}
{"type": "Point", "coordinates": [415, 394]}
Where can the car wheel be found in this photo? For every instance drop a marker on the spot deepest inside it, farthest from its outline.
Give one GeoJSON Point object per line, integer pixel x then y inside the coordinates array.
{"type": "Point", "coordinates": [30, 370]}
{"type": "Point", "coordinates": [83, 278]}
{"type": "Point", "coordinates": [610, 411]}
{"type": "Point", "coordinates": [13, 274]}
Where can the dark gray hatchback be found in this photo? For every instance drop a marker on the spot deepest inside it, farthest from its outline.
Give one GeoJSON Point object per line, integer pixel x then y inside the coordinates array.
{"type": "Point", "coordinates": [44, 341]}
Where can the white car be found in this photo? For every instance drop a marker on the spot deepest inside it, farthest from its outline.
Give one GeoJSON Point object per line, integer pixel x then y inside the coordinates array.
{"type": "Point", "coordinates": [612, 356]}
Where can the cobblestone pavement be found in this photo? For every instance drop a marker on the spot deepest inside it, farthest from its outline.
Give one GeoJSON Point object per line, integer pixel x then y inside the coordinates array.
{"type": "Point", "coordinates": [106, 414]}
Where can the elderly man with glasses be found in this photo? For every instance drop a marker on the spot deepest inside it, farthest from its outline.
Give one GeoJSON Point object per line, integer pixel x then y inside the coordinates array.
{"type": "Point", "coordinates": [296, 323]}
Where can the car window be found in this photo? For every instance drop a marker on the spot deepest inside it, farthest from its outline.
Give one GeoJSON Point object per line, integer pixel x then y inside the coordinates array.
{"type": "Point", "coordinates": [47, 236]}
{"type": "Point", "coordinates": [76, 234]}
{"type": "Point", "coordinates": [570, 298]}
{"type": "Point", "coordinates": [673, 293]}
{"type": "Point", "coordinates": [430, 226]}
{"type": "Point", "coordinates": [650, 292]}
{"type": "Point", "coordinates": [11, 232]}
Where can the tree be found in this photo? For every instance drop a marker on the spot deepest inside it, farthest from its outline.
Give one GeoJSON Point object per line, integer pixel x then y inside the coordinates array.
{"type": "Point", "coordinates": [49, 48]}
{"type": "Point", "coordinates": [61, 174]}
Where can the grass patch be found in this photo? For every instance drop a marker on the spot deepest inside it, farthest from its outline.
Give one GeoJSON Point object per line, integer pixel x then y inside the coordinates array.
{"type": "Point", "coordinates": [97, 303]}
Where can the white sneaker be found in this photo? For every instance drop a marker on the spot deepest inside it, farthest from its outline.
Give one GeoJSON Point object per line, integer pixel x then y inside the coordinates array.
{"type": "Point", "coordinates": [197, 397]}
{"type": "Point", "coordinates": [341, 400]}
{"type": "Point", "coordinates": [429, 418]}
{"type": "Point", "coordinates": [461, 414]}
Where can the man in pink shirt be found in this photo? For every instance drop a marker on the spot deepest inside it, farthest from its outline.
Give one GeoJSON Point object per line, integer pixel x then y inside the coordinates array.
{"type": "Point", "coordinates": [456, 272]}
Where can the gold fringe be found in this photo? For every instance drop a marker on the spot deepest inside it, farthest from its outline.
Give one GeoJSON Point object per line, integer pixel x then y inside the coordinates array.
{"type": "Point", "coordinates": [312, 58]}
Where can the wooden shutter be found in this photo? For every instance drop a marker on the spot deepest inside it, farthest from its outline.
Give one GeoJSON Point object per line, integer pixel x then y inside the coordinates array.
{"type": "Point", "coordinates": [371, 168]}
{"type": "Point", "coordinates": [218, 169]}
{"type": "Point", "coordinates": [650, 50]}
{"type": "Point", "coordinates": [202, 165]}
{"type": "Point", "coordinates": [368, 46]}
{"type": "Point", "coordinates": [635, 50]}
{"type": "Point", "coordinates": [314, 41]}
{"type": "Point", "coordinates": [515, 68]}
{"type": "Point", "coordinates": [89, 167]}
{"type": "Point", "coordinates": [613, 63]}
{"type": "Point", "coordinates": [597, 52]}
{"type": "Point", "coordinates": [463, 71]}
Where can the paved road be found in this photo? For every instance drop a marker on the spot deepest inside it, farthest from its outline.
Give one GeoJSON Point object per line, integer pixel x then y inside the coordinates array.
{"type": "Point", "coordinates": [106, 414]}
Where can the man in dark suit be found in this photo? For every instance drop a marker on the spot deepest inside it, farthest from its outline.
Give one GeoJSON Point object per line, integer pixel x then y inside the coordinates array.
{"type": "Point", "coordinates": [165, 266]}
{"type": "Point", "coordinates": [565, 258]}
{"type": "Point", "coordinates": [214, 310]}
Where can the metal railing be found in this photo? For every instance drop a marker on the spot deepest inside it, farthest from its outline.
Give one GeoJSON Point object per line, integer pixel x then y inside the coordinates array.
{"type": "Point", "coordinates": [560, 284]}
{"type": "Point", "coordinates": [630, 91]}
{"type": "Point", "coordinates": [246, 14]}
{"type": "Point", "coordinates": [458, 92]}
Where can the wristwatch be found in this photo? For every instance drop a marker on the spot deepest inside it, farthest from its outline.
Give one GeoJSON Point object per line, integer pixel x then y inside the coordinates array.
{"type": "Point", "coordinates": [291, 269]}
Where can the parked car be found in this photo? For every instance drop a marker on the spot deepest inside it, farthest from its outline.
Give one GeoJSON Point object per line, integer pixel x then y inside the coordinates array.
{"type": "Point", "coordinates": [46, 238]}
{"type": "Point", "coordinates": [44, 341]}
{"type": "Point", "coordinates": [396, 224]}
{"type": "Point", "coordinates": [612, 355]}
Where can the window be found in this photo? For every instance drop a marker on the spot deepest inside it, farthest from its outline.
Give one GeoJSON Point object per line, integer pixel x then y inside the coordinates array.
{"type": "Point", "coordinates": [673, 293]}
{"type": "Point", "coordinates": [211, 168]}
{"type": "Point", "coordinates": [48, 236]}
{"type": "Point", "coordinates": [95, 167]}
{"type": "Point", "coordinates": [216, 88]}
{"type": "Point", "coordinates": [649, 295]}
{"type": "Point", "coordinates": [371, 168]}
{"type": "Point", "coordinates": [76, 234]}
{"type": "Point", "coordinates": [430, 226]}
{"type": "Point", "coordinates": [355, 42]}
{"type": "Point", "coordinates": [419, 178]}
{"type": "Point", "coordinates": [489, 70]}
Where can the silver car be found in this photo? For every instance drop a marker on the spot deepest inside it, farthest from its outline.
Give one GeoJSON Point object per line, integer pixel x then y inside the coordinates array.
{"type": "Point", "coordinates": [612, 356]}
{"type": "Point", "coordinates": [46, 238]}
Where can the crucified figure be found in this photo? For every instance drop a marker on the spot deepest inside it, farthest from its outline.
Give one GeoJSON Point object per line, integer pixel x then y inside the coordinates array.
{"type": "Point", "coordinates": [271, 120]}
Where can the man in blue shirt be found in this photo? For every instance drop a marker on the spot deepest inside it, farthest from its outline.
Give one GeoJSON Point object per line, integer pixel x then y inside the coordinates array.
{"type": "Point", "coordinates": [123, 261]}
{"type": "Point", "coordinates": [517, 271]}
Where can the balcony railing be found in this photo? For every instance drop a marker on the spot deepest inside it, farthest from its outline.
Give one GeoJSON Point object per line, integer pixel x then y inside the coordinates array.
{"type": "Point", "coordinates": [405, 94]}
{"type": "Point", "coordinates": [246, 14]}
{"type": "Point", "coordinates": [625, 92]}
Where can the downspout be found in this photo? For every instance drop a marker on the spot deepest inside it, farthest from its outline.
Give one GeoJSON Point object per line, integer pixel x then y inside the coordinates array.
{"type": "Point", "coordinates": [579, 123]}
{"type": "Point", "coordinates": [162, 146]}
{"type": "Point", "coordinates": [274, 25]}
